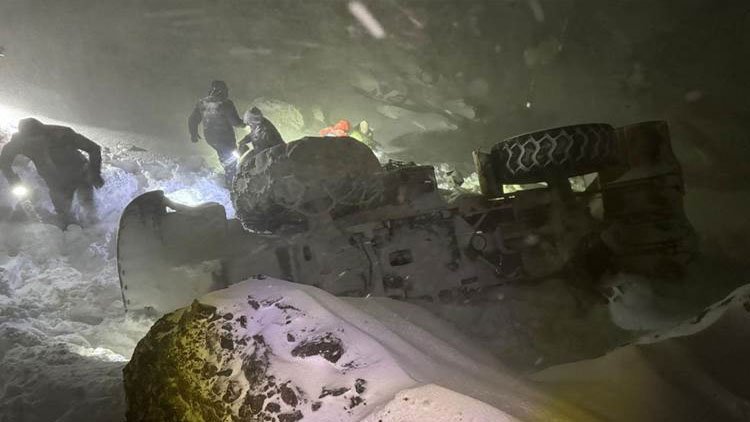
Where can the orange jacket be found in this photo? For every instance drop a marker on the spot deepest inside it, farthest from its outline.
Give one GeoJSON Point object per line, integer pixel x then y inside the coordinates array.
{"type": "Point", "coordinates": [341, 128]}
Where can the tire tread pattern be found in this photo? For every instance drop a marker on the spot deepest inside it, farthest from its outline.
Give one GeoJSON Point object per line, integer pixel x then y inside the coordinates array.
{"type": "Point", "coordinates": [566, 151]}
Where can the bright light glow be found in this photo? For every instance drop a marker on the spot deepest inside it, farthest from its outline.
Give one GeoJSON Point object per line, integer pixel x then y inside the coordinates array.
{"type": "Point", "coordinates": [236, 154]}
{"type": "Point", "coordinates": [9, 118]}
{"type": "Point", "coordinates": [363, 15]}
{"type": "Point", "coordinates": [20, 191]}
{"type": "Point", "coordinates": [187, 196]}
{"type": "Point", "coordinates": [528, 104]}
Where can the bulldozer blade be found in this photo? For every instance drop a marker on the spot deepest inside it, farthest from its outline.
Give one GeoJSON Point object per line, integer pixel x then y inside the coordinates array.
{"type": "Point", "coordinates": [167, 253]}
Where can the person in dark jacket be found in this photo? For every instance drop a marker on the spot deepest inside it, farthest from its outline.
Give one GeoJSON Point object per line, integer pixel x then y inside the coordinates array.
{"type": "Point", "coordinates": [56, 154]}
{"type": "Point", "coordinates": [219, 117]}
{"type": "Point", "coordinates": [263, 133]}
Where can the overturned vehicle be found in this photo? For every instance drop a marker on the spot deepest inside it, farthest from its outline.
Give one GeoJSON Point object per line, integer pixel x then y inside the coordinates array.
{"type": "Point", "coordinates": [325, 212]}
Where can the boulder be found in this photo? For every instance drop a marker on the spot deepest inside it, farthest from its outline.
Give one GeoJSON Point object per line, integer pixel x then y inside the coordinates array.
{"type": "Point", "coordinates": [258, 353]}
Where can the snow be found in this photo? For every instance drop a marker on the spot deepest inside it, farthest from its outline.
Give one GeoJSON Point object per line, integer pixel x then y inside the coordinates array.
{"type": "Point", "coordinates": [433, 403]}
{"type": "Point", "coordinates": [409, 365]}
{"type": "Point", "coordinates": [64, 335]}
{"type": "Point", "coordinates": [696, 371]}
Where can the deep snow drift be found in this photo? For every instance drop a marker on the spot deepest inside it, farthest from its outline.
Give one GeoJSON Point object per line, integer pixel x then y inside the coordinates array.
{"type": "Point", "coordinates": [280, 351]}
{"type": "Point", "coordinates": [693, 372]}
{"type": "Point", "coordinates": [64, 335]}
{"type": "Point", "coordinates": [275, 350]}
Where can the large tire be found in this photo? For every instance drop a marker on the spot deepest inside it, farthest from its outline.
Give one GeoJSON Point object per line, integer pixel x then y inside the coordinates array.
{"type": "Point", "coordinates": [311, 178]}
{"type": "Point", "coordinates": [553, 153]}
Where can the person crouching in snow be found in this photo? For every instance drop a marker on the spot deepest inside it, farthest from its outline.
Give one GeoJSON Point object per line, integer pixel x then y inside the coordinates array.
{"type": "Point", "coordinates": [56, 154]}
{"type": "Point", "coordinates": [263, 134]}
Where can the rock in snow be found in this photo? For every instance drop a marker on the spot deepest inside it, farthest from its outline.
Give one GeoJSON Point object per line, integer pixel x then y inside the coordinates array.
{"type": "Point", "coordinates": [270, 350]}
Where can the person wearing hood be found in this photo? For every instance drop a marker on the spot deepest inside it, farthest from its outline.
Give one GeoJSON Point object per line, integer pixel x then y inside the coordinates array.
{"type": "Point", "coordinates": [219, 117]}
{"type": "Point", "coordinates": [263, 134]}
{"type": "Point", "coordinates": [56, 152]}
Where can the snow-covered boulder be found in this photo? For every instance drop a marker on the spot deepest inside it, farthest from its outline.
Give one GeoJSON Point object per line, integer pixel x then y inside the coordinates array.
{"type": "Point", "coordinates": [269, 350]}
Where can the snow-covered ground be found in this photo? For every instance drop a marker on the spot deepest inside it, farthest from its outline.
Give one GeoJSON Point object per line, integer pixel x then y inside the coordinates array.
{"type": "Point", "coordinates": [64, 335]}
{"type": "Point", "coordinates": [272, 350]}
{"type": "Point", "coordinates": [65, 338]}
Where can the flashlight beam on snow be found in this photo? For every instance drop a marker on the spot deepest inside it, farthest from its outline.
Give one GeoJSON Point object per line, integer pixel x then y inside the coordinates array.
{"type": "Point", "coordinates": [363, 15]}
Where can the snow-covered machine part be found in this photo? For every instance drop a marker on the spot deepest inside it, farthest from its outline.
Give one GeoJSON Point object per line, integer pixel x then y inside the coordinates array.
{"type": "Point", "coordinates": [311, 178]}
{"type": "Point", "coordinates": [150, 240]}
{"type": "Point", "coordinates": [642, 200]}
{"type": "Point", "coordinates": [324, 212]}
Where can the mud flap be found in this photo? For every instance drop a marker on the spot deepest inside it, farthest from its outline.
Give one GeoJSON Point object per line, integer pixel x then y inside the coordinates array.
{"type": "Point", "coordinates": [168, 254]}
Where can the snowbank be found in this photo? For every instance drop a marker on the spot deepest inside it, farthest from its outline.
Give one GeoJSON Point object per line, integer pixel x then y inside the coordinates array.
{"type": "Point", "coordinates": [697, 371]}
{"type": "Point", "coordinates": [436, 404]}
{"type": "Point", "coordinates": [64, 335]}
{"type": "Point", "coordinates": [274, 350]}
{"type": "Point", "coordinates": [375, 359]}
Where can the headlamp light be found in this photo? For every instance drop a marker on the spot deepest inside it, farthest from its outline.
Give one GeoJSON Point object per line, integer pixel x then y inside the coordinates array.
{"type": "Point", "coordinates": [20, 191]}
